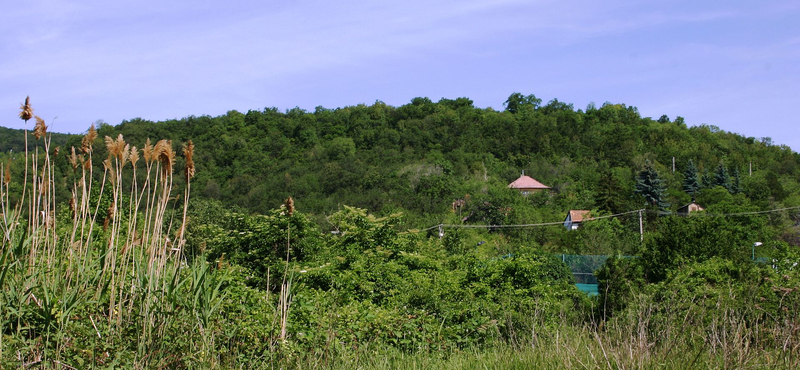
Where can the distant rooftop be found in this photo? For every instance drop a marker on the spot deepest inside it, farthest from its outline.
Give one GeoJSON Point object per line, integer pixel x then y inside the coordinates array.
{"type": "Point", "coordinates": [578, 215]}
{"type": "Point", "coordinates": [527, 182]}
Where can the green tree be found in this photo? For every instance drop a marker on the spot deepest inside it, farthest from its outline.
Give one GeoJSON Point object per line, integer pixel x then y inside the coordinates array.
{"type": "Point", "coordinates": [736, 182]}
{"type": "Point", "coordinates": [707, 180]}
{"type": "Point", "coordinates": [650, 186]}
{"type": "Point", "coordinates": [608, 193]}
{"type": "Point", "coordinates": [691, 182]}
{"type": "Point", "coordinates": [516, 101]}
{"type": "Point", "coordinates": [721, 177]}
{"type": "Point", "coordinates": [683, 240]}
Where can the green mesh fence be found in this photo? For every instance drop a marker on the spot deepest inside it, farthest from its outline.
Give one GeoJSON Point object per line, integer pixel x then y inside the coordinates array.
{"type": "Point", "coordinates": [583, 266]}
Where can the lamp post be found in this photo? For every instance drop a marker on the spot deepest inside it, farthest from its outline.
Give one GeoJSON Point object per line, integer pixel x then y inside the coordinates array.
{"type": "Point", "coordinates": [756, 244]}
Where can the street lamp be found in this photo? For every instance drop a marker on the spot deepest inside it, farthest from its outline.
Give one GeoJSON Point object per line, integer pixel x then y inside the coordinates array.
{"type": "Point", "coordinates": [756, 244]}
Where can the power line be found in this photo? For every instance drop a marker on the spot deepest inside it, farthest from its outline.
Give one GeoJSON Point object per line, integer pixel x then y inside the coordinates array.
{"type": "Point", "coordinates": [520, 225]}
{"type": "Point", "coordinates": [600, 217]}
{"type": "Point", "coordinates": [741, 213]}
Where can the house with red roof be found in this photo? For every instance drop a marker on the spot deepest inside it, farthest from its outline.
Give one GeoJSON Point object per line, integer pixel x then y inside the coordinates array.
{"type": "Point", "coordinates": [575, 217]}
{"type": "Point", "coordinates": [527, 185]}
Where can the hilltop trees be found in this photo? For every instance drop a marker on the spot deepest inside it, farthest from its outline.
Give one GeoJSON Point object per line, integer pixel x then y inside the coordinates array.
{"type": "Point", "coordinates": [516, 101]}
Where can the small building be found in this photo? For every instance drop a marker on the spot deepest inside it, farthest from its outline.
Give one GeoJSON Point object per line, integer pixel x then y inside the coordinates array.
{"type": "Point", "coordinates": [575, 217]}
{"type": "Point", "coordinates": [527, 185]}
{"type": "Point", "coordinates": [689, 208]}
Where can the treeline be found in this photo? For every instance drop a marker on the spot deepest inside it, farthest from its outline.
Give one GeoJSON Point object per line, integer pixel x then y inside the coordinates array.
{"type": "Point", "coordinates": [421, 157]}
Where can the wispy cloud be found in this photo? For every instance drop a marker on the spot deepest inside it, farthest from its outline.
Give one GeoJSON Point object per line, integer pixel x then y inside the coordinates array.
{"type": "Point", "coordinates": [170, 59]}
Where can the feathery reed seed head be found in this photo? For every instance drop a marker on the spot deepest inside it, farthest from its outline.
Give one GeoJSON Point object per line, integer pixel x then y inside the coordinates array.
{"type": "Point", "coordinates": [26, 112]}
{"type": "Point", "coordinates": [7, 174]}
{"type": "Point", "coordinates": [40, 129]}
{"type": "Point", "coordinates": [88, 140]}
{"type": "Point", "coordinates": [165, 155]}
{"type": "Point", "coordinates": [147, 151]}
{"type": "Point", "coordinates": [72, 206]}
{"type": "Point", "coordinates": [289, 205]}
{"type": "Point", "coordinates": [73, 159]}
{"type": "Point", "coordinates": [126, 152]}
{"type": "Point", "coordinates": [188, 152]}
{"type": "Point", "coordinates": [133, 155]}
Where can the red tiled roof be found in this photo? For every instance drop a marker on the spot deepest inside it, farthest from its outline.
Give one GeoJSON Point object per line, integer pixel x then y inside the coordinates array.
{"type": "Point", "coordinates": [577, 215]}
{"type": "Point", "coordinates": [526, 182]}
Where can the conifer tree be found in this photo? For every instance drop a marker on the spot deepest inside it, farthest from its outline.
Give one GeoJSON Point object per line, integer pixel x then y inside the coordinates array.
{"type": "Point", "coordinates": [707, 180]}
{"type": "Point", "coordinates": [736, 182]}
{"type": "Point", "coordinates": [651, 187]}
{"type": "Point", "coordinates": [608, 193]}
{"type": "Point", "coordinates": [691, 182]}
{"type": "Point", "coordinates": [721, 177]}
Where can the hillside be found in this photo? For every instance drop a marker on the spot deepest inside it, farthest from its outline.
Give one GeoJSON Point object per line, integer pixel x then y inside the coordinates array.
{"type": "Point", "coordinates": [422, 156]}
{"type": "Point", "coordinates": [114, 264]}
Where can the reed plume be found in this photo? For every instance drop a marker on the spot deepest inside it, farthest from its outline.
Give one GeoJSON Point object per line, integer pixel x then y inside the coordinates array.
{"type": "Point", "coordinates": [7, 174]}
{"type": "Point", "coordinates": [40, 129]}
{"type": "Point", "coordinates": [117, 148]}
{"type": "Point", "coordinates": [188, 152]}
{"type": "Point", "coordinates": [88, 140]}
{"type": "Point", "coordinates": [73, 159]}
{"type": "Point", "coordinates": [133, 155]}
{"type": "Point", "coordinates": [289, 203]}
{"type": "Point", "coordinates": [26, 112]}
{"type": "Point", "coordinates": [147, 151]}
{"type": "Point", "coordinates": [163, 151]}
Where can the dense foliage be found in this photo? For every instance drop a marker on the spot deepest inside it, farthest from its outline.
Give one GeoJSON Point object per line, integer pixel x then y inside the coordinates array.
{"type": "Point", "coordinates": [396, 244]}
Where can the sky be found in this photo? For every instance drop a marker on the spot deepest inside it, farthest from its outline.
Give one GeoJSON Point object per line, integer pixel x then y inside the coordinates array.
{"type": "Point", "coordinates": [731, 64]}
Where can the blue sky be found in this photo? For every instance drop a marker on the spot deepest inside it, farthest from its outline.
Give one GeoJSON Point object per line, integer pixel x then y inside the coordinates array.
{"type": "Point", "coordinates": [733, 64]}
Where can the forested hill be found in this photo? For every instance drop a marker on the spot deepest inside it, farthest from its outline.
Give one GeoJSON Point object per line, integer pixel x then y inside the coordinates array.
{"type": "Point", "coordinates": [14, 140]}
{"type": "Point", "coordinates": [421, 157]}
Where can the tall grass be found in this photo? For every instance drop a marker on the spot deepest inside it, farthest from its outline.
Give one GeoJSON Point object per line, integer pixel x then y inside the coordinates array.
{"type": "Point", "coordinates": [109, 268]}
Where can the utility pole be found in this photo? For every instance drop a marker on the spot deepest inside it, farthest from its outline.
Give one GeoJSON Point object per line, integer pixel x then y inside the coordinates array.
{"type": "Point", "coordinates": [751, 168]}
{"type": "Point", "coordinates": [641, 227]}
{"type": "Point", "coordinates": [673, 164]}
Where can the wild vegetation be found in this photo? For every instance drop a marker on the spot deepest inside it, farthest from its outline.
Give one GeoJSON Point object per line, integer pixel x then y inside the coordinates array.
{"type": "Point", "coordinates": [310, 240]}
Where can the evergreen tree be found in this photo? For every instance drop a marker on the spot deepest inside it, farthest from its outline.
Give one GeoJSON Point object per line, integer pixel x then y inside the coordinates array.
{"type": "Point", "coordinates": [608, 193]}
{"type": "Point", "coordinates": [736, 183]}
{"type": "Point", "coordinates": [652, 187]}
{"type": "Point", "coordinates": [707, 181]}
{"type": "Point", "coordinates": [691, 183]}
{"type": "Point", "coordinates": [721, 177]}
